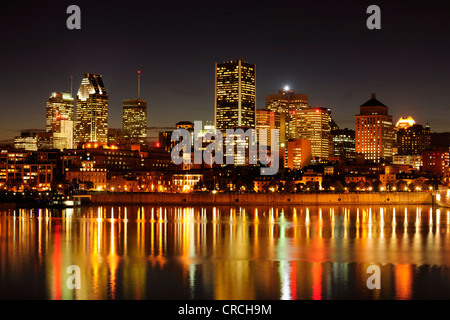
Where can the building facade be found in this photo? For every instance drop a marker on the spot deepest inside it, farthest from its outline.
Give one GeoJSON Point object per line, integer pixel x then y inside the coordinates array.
{"type": "Point", "coordinates": [269, 120]}
{"type": "Point", "coordinates": [344, 144]}
{"type": "Point", "coordinates": [135, 121]}
{"type": "Point", "coordinates": [286, 102]}
{"type": "Point", "coordinates": [59, 104]}
{"type": "Point", "coordinates": [374, 131]}
{"type": "Point", "coordinates": [298, 153]}
{"type": "Point", "coordinates": [235, 95]}
{"type": "Point", "coordinates": [413, 140]}
{"type": "Point", "coordinates": [92, 110]}
{"type": "Point", "coordinates": [313, 123]}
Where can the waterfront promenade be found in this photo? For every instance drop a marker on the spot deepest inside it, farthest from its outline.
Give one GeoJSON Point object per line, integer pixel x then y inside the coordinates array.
{"type": "Point", "coordinates": [387, 198]}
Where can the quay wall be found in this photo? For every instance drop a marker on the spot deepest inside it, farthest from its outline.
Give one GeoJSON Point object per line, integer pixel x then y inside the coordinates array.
{"type": "Point", "coordinates": [395, 198]}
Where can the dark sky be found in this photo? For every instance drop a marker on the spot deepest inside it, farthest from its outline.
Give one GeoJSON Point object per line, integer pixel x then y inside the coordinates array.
{"type": "Point", "coordinates": [319, 48]}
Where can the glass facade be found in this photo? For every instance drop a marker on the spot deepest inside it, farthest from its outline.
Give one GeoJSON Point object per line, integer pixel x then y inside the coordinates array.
{"type": "Point", "coordinates": [135, 121]}
{"type": "Point", "coordinates": [92, 110]}
{"type": "Point", "coordinates": [235, 95]}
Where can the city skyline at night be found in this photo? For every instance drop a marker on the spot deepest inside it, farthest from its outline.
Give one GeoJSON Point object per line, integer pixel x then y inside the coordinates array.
{"type": "Point", "coordinates": [324, 51]}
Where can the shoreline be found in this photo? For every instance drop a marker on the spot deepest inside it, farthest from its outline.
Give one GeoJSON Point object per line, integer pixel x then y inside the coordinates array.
{"type": "Point", "coordinates": [373, 198]}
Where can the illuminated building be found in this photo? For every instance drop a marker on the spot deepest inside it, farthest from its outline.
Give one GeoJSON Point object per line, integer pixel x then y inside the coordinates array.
{"type": "Point", "coordinates": [185, 182]}
{"type": "Point", "coordinates": [26, 141]}
{"type": "Point", "coordinates": [20, 167]}
{"type": "Point", "coordinates": [435, 161]}
{"type": "Point", "coordinates": [374, 134]}
{"type": "Point", "coordinates": [235, 95]}
{"type": "Point", "coordinates": [92, 110]}
{"type": "Point", "coordinates": [115, 135]}
{"type": "Point", "coordinates": [110, 157]}
{"type": "Point", "coordinates": [62, 137]}
{"type": "Point", "coordinates": [286, 102]}
{"type": "Point", "coordinates": [313, 123]}
{"type": "Point", "coordinates": [165, 142]}
{"type": "Point", "coordinates": [344, 143]}
{"type": "Point", "coordinates": [88, 173]}
{"type": "Point", "coordinates": [413, 160]}
{"type": "Point", "coordinates": [298, 153]}
{"type": "Point", "coordinates": [405, 123]}
{"type": "Point", "coordinates": [59, 104]}
{"type": "Point", "coordinates": [413, 139]}
{"type": "Point", "coordinates": [135, 120]}
{"type": "Point", "coordinates": [269, 120]}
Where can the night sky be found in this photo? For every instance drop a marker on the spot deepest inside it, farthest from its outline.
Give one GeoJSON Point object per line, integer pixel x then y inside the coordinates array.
{"type": "Point", "coordinates": [319, 48]}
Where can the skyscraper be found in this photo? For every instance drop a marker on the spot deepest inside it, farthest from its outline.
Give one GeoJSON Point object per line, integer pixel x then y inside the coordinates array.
{"type": "Point", "coordinates": [374, 131]}
{"type": "Point", "coordinates": [59, 104]}
{"type": "Point", "coordinates": [235, 95]}
{"type": "Point", "coordinates": [92, 110]}
{"type": "Point", "coordinates": [313, 123]}
{"type": "Point", "coordinates": [135, 120]}
{"type": "Point", "coordinates": [287, 103]}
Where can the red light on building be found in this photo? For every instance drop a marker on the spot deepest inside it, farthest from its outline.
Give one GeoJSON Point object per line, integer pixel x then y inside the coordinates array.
{"type": "Point", "coordinates": [317, 110]}
{"type": "Point", "coordinates": [158, 144]}
{"type": "Point", "coordinates": [294, 112]}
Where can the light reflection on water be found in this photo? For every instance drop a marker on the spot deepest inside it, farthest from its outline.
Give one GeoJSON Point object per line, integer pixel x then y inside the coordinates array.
{"type": "Point", "coordinates": [132, 252]}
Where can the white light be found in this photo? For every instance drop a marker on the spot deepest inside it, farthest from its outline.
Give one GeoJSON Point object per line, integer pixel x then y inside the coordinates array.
{"type": "Point", "coordinates": [286, 88]}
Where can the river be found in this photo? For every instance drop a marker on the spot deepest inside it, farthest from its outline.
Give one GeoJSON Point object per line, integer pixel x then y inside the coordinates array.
{"type": "Point", "coordinates": [223, 252]}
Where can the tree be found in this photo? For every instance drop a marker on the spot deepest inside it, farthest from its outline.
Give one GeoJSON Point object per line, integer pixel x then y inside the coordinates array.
{"type": "Point", "coordinates": [376, 185]}
{"type": "Point", "coordinates": [326, 183]}
{"type": "Point", "coordinates": [338, 186]}
{"type": "Point", "coordinates": [401, 185]}
{"type": "Point", "coordinates": [289, 186]}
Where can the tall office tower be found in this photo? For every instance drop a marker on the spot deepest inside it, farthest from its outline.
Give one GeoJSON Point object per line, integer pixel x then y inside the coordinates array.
{"type": "Point", "coordinates": [287, 103]}
{"type": "Point", "coordinates": [269, 120]}
{"type": "Point", "coordinates": [413, 139]}
{"type": "Point", "coordinates": [235, 95]}
{"type": "Point", "coordinates": [313, 123]}
{"type": "Point", "coordinates": [374, 134]}
{"type": "Point", "coordinates": [135, 120]}
{"type": "Point", "coordinates": [59, 104]}
{"type": "Point", "coordinates": [92, 110]}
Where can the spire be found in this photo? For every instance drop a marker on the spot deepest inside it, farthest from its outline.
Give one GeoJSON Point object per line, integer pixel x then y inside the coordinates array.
{"type": "Point", "coordinates": [139, 84]}
{"type": "Point", "coordinates": [71, 85]}
{"type": "Point", "coordinates": [373, 96]}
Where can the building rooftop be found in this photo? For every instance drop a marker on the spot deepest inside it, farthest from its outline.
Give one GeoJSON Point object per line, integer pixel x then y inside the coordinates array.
{"type": "Point", "coordinates": [373, 102]}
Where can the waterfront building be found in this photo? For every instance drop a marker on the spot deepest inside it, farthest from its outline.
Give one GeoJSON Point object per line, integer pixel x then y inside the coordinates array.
{"type": "Point", "coordinates": [313, 123]}
{"type": "Point", "coordinates": [21, 171]}
{"type": "Point", "coordinates": [235, 95]}
{"type": "Point", "coordinates": [88, 173]}
{"type": "Point", "coordinates": [91, 110]}
{"type": "Point", "coordinates": [286, 102]}
{"type": "Point", "coordinates": [374, 134]}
